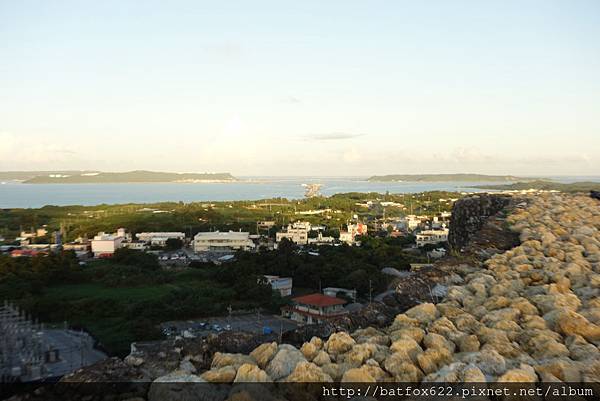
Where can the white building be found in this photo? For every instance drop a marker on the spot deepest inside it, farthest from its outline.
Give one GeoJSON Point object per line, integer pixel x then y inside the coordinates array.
{"type": "Point", "coordinates": [281, 284]}
{"type": "Point", "coordinates": [222, 241]}
{"type": "Point", "coordinates": [432, 237]}
{"type": "Point", "coordinates": [106, 244]}
{"type": "Point", "coordinates": [354, 229]}
{"type": "Point", "coordinates": [347, 237]}
{"type": "Point", "coordinates": [321, 240]}
{"type": "Point", "coordinates": [297, 233]}
{"type": "Point", "coordinates": [159, 238]}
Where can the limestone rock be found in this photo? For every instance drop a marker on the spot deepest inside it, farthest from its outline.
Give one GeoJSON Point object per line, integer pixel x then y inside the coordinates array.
{"type": "Point", "coordinates": [309, 351]}
{"type": "Point", "coordinates": [525, 374]}
{"type": "Point", "coordinates": [225, 374]}
{"type": "Point", "coordinates": [284, 362]}
{"type": "Point", "coordinates": [358, 375]}
{"type": "Point", "coordinates": [339, 343]}
{"type": "Point", "coordinates": [423, 313]}
{"type": "Point", "coordinates": [406, 349]}
{"type": "Point", "coordinates": [248, 373]}
{"type": "Point", "coordinates": [223, 359]}
{"type": "Point", "coordinates": [321, 358]}
{"type": "Point", "coordinates": [307, 372]}
{"type": "Point", "coordinates": [263, 353]}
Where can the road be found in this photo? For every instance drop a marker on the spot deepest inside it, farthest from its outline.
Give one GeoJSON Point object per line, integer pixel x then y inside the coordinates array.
{"type": "Point", "coordinates": [248, 323]}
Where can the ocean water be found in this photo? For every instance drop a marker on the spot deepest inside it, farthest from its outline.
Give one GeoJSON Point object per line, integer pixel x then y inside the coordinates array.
{"type": "Point", "coordinates": [17, 195]}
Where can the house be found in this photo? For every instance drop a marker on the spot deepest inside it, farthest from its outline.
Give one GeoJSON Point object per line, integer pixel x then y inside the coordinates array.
{"type": "Point", "coordinates": [17, 253]}
{"type": "Point", "coordinates": [105, 245]}
{"type": "Point", "coordinates": [296, 232]}
{"type": "Point", "coordinates": [159, 238]}
{"type": "Point", "coordinates": [347, 237]}
{"type": "Point", "coordinates": [354, 229]}
{"type": "Point", "coordinates": [432, 237]}
{"type": "Point", "coordinates": [265, 225]}
{"type": "Point", "coordinates": [321, 240]}
{"type": "Point", "coordinates": [314, 308]}
{"type": "Point", "coordinates": [281, 284]}
{"type": "Point", "coordinates": [226, 241]}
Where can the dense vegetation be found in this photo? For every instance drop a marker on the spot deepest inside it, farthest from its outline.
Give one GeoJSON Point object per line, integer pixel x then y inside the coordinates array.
{"type": "Point", "coordinates": [190, 218]}
{"type": "Point", "coordinates": [444, 178]}
{"type": "Point", "coordinates": [584, 186]}
{"type": "Point", "coordinates": [122, 299]}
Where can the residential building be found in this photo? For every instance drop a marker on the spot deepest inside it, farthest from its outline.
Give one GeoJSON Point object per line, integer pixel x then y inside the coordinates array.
{"type": "Point", "coordinates": [296, 232]}
{"type": "Point", "coordinates": [321, 240]}
{"type": "Point", "coordinates": [265, 225]}
{"type": "Point", "coordinates": [347, 237]}
{"type": "Point", "coordinates": [354, 229]}
{"type": "Point", "coordinates": [105, 245]}
{"type": "Point", "coordinates": [281, 284]}
{"type": "Point", "coordinates": [432, 237]}
{"type": "Point", "coordinates": [135, 245]}
{"type": "Point", "coordinates": [159, 238]}
{"type": "Point", "coordinates": [222, 241]}
{"type": "Point", "coordinates": [314, 308]}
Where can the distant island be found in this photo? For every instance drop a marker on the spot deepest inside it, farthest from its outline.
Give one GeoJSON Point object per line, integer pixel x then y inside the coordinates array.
{"type": "Point", "coordinates": [98, 177]}
{"type": "Point", "coordinates": [447, 178]}
{"type": "Point", "coordinates": [583, 186]}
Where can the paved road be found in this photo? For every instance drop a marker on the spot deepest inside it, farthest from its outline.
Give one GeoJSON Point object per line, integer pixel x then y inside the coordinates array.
{"type": "Point", "coordinates": [249, 323]}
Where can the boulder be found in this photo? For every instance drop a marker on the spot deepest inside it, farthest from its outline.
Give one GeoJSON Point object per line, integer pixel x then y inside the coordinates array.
{"type": "Point", "coordinates": [236, 360]}
{"type": "Point", "coordinates": [358, 375]}
{"type": "Point", "coordinates": [339, 343]}
{"type": "Point", "coordinates": [263, 353]}
{"type": "Point", "coordinates": [248, 373]}
{"type": "Point", "coordinates": [468, 343]}
{"type": "Point", "coordinates": [406, 349]}
{"type": "Point", "coordinates": [309, 351]}
{"type": "Point", "coordinates": [524, 374]}
{"type": "Point", "coordinates": [225, 374]}
{"type": "Point", "coordinates": [433, 359]}
{"type": "Point", "coordinates": [423, 313]}
{"type": "Point", "coordinates": [571, 323]}
{"type": "Point", "coordinates": [489, 361]}
{"type": "Point", "coordinates": [321, 358]}
{"type": "Point", "coordinates": [307, 372]}
{"type": "Point", "coordinates": [284, 362]}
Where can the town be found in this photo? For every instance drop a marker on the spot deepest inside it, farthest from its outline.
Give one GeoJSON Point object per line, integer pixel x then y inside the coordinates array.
{"type": "Point", "coordinates": [296, 261]}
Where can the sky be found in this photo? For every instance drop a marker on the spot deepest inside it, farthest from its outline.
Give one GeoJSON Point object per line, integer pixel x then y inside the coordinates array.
{"type": "Point", "coordinates": [301, 87]}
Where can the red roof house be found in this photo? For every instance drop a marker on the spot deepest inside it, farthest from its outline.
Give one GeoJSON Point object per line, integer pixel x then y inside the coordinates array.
{"type": "Point", "coordinates": [314, 308]}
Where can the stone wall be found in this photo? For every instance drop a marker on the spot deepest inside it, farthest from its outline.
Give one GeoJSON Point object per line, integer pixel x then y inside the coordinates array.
{"type": "Point", "coordinates": [470, 213]}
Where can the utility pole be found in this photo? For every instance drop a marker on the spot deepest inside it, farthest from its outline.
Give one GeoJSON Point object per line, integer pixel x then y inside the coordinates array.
{"type": "Point", "coordinates": [370, 292]}
{"type": "Point", "coordinates": [229, 310]}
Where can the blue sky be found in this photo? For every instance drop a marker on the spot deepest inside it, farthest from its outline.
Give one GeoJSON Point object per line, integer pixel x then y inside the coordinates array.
{"type": "Point", "coordinates": [301, 88]}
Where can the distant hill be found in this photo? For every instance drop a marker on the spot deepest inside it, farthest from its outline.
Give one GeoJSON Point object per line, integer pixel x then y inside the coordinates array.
{"type": "Point", "coordinates": [27, 175]}
{"type": "Point", "coordinates": [446, 178]}
{"type": "Point", "coordinates": [584, 186]}
{"type": "Point", "coordinates": [138, 176]}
